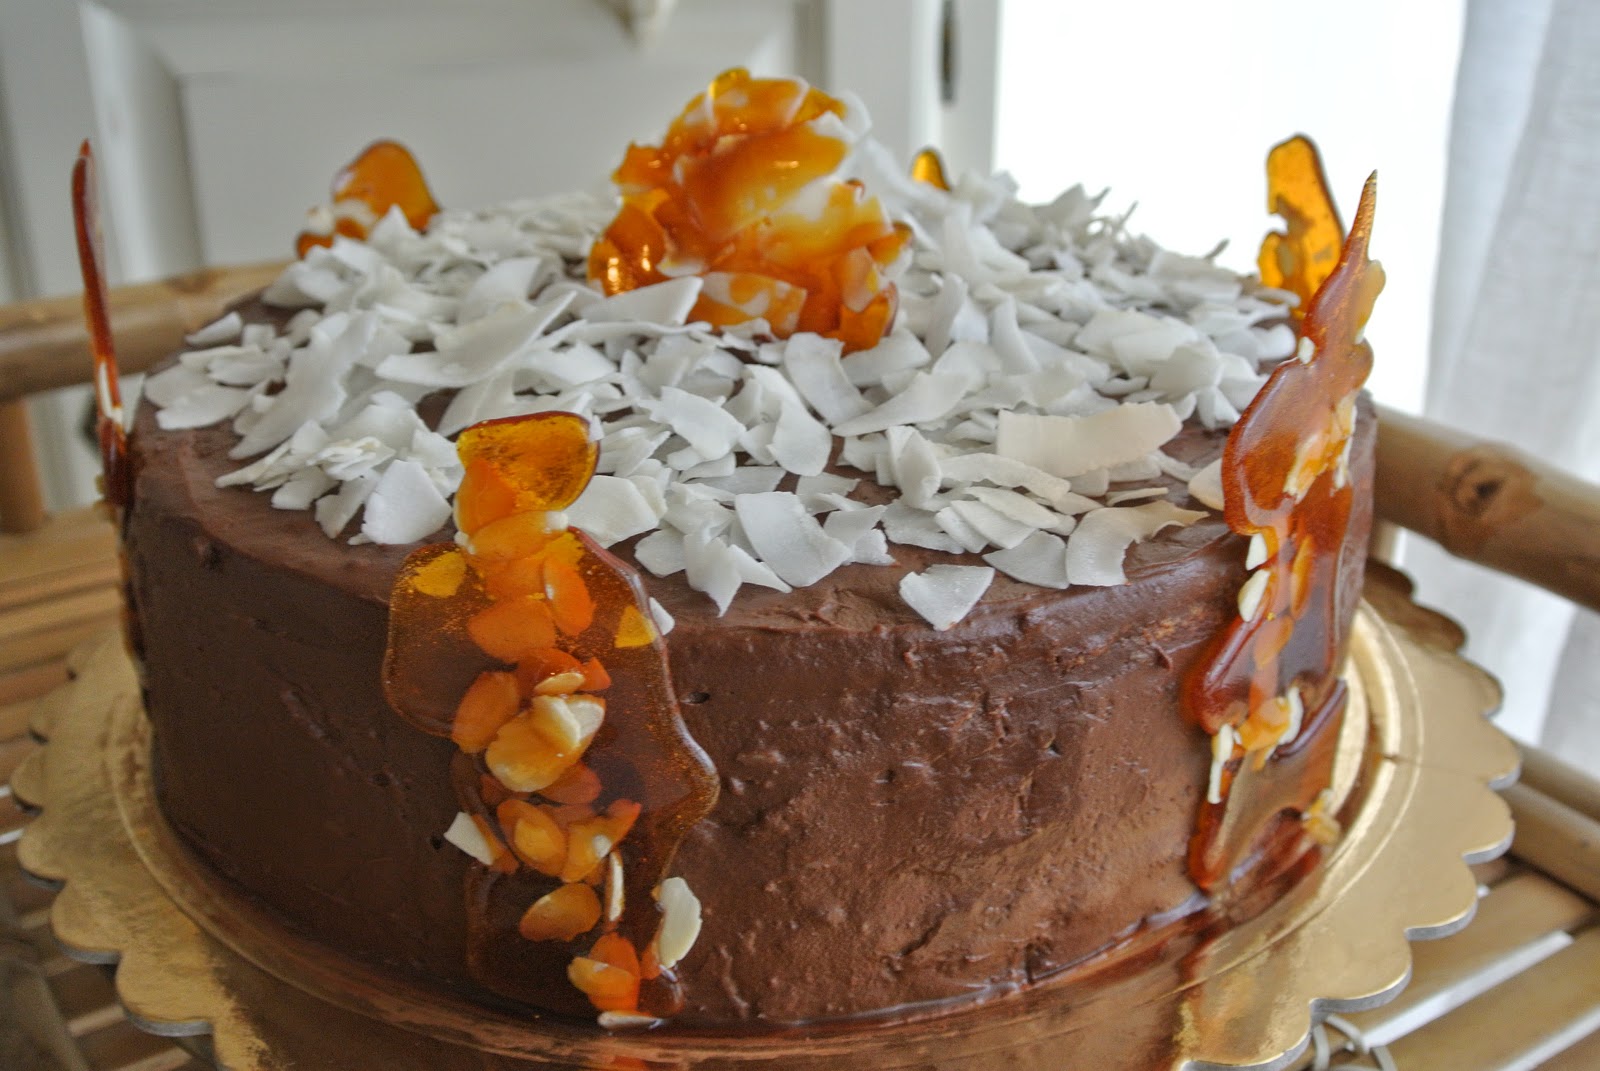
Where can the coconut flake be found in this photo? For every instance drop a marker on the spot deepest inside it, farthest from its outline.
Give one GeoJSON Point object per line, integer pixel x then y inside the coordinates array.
{"type": "Point", "coordinates": [665, 303]}
{"type": "Point", "coordinates": [202, 406]}
{"type": "Point", "coordinates": [913, 466]}
{"type": "Point", "coordinates": [705, 425]}
{"type": "Point", "coordinates": [217, 331]}
{"type": "Point", "coordinates": [996, 528]}
{"type": "Point", "coordinates": [1040, 559]}
{"type": "Point", "coordinates": [927, 397]}
{"type": "Point", "coordinates": [1206, 486]}
{"type": "Point", "coordinates": [945, 594]}
{"type": "Point", "coordinates": [465, 834]}
{"type": "Point", "coordinates": [1103, 536]}
{"type": "Point", "coordinates": [788, 538]}
{"type": "Point", "coordinates": [661, 552]}
{"type": "Point", "coordinates": [664, 621]}
{"type": "Point", "coordinates": [404, 506]}
{"type": "Point", "coordinates": [913, 527]}
{"type": "Point", "coordinates": [506, 283]}
{"type": "Point", "coordinates": [898, 352]}
{"type": "Point", "coordinates": [1071, 446]}
{"type": "Point", "coordinates": [812, 362]}
{"type": "Point", "coordinates": [474, 352]}
{"type": "Point", "coordinates": [799, 443]}
{"type": "Point", "coordinates": [612, 509]}
{"type": "Point", "coordinates": [302, 489]}
{"type": "Point", "coordinates": [335, 511]}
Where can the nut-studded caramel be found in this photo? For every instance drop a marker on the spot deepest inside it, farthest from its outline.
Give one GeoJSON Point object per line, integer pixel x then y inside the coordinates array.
{"type": "Point", "coordinates": [1274, 670]}
{"type": "Point", "coordinates": [742, 192]}
{"type": "Point", "coordinates": [534, 651]}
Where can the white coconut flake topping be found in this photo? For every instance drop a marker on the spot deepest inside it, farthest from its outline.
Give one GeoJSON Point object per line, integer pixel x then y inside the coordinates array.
{"type": "Point", "coordinates": [465, 834]}
{"type": "Point", "coordinates": [944, 594]}
{"type": "Point", "coordinates": [1041, 359]}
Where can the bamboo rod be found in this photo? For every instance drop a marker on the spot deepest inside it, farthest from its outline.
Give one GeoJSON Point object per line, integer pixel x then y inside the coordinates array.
{"type": "Point", "coordinates": [1561, 782]}
{"type": "Point", "coordinates": [21, 497]}
{"type": "Point", "coordinates": [1556, 838]}
{"type": "Point", "coordinates": [1490, 504]}
{"type": "Point", "coordinates": [42, 342]}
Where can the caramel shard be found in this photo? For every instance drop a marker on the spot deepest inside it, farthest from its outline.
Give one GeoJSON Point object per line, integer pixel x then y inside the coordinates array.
{"type": "Point", "coordinates": [384, 176]}
{"type": "Point", "coordinates": [1302, 255]}
{"type": "Point", "coordinates": [743, 191]}
{"type": "Point", "coordinates": [927, 167]}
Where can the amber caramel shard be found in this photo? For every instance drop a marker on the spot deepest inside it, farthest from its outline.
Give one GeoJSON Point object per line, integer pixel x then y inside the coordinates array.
{"type": "Point", "coordinates": [928, 167]}
{"type": "Point", "coordinates": [384, 176]}
{"type": "Point", "coordinates": [727, 195]}
{"type": "Point", "coordinates": [1274, 668]}
{"type": "Point", "coordinates": [1302, 255]}
{"type": "Point", "coordinates": [109, 428]}
{"type": "Point", "coordinates": [502, 644]}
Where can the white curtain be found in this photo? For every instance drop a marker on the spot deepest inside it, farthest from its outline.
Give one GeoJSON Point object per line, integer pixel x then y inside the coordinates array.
{"type": "Point", "coordinates": [1516, 338]}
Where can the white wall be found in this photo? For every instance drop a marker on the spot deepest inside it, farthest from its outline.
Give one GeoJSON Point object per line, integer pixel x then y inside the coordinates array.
{"type": "Point", "coordinates": [1174, 104]}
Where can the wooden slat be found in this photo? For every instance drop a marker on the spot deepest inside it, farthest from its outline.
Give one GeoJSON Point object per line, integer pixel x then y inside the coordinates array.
{"type": "Point", "coordinates": [43, 649]}
{"type": "Point", "coordinates": [67, 540]}
{"type": "Point", "coordinates": [120, 1045]}
{"type": "Point", "coordinates": [30, 684]}
{"type": "Point", "coordinates": [1490, 503]}
{"type": "Point", "coordinates": [1561, 782]}
{"type": "Point", "coordinates": [66, 610]}
{"type": "Point", "coordinates": [1495, 870]}
{"type": "Point", "coordinates": [21, 497]}
{"type": "Point", "coordinates": [1523, 920]}
{"type": "Point", "coordinates": [43, 345]}
{"type": "Point", "coordinates": [1584, 1056]}
{"type": "Point", "coordinates": [83, 991]}
{"type": "Point", "coordinates": [1557, 839]}
{"type": "Point", "coordinates": [1520, 1023]}
{"type": "Point", "coordinates": [63, 583]}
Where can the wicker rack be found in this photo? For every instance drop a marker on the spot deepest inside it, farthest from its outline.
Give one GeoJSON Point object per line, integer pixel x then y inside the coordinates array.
{"type": "Point", "coordinates": [1518, 989]}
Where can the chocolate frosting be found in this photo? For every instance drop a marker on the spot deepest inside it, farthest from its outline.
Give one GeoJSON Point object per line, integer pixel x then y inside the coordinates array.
{"type": "Point", "coordinates": [906, 816]}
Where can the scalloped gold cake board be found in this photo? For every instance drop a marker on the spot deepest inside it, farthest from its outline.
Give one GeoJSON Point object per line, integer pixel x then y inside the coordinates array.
{"type": "Point", "coordinates": [1414, 782]}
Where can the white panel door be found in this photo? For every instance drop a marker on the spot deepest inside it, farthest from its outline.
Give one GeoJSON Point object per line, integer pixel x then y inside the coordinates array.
{"type": "Point", "coordinates": [218, 122]}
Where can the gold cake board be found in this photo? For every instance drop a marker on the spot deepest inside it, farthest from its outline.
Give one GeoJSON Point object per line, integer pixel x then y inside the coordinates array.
{"type": "Point", "coordinates": [1417, 766]}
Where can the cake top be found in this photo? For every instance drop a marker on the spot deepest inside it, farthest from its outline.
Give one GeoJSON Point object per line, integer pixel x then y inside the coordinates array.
{"type": "Point", "coordinates": [1039, 358]}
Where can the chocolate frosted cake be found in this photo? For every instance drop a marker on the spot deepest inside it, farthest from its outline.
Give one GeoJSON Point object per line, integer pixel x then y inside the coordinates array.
{"type": "Point", "coordinates": [927, 499]}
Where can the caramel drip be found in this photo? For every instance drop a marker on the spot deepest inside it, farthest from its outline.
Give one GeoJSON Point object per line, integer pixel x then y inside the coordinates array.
{"type": "Point", "coordinates": [384, 176]}
{"type": "Point", "coordinates": [1285, 485]}
{"type": "Point", "coordinates": [739, 192]}
{"type": "Point", "coordinates": [534, 651]}
{"type": "Point", "coordinates": [109, 428]}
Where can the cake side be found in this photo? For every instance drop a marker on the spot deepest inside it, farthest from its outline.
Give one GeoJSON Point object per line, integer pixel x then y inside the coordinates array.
{"type": "Point", "coordinates": [907, 815]}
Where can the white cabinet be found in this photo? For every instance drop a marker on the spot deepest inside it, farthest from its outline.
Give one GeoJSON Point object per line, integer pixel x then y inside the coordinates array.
{"type": "Point", "coordinates": [218, 122]}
